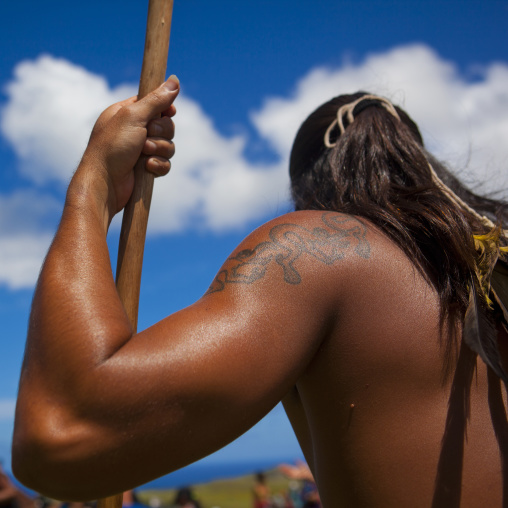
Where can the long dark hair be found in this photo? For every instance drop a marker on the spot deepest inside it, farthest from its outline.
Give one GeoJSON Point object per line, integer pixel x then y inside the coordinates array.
{"type": "Point", "coordinates": [379, 170]}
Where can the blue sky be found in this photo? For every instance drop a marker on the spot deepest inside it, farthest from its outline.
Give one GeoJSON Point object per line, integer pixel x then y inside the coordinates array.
{"type": "Point", "coordinates": [250, 71]}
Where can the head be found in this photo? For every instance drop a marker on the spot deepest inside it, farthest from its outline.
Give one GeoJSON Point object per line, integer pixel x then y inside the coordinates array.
{"type": "Point", "coordinates": [366, 156]}
{"type": "Point", "coordinates": [375, 166]}
{"type": "Point", "coordinates": [183, 496]}
{"type": "Point", "coordinates": [260, 477]}
{"type": "Point", "coordinates": [378, 157]}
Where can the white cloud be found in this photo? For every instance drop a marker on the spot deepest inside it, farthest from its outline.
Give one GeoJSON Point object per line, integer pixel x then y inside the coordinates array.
{"type": "Point", "coordinates": [52, 107]}
{"type": "Point", "coordinates": [21, 256]}
{"type": "Point", "coordinates": [51, 110]}
{"type": "Point", "coordinates": [463, 122]}
{"type": "Point", "coordinates": [26, 217]}
{"type": "Point", "coordinates": [53, 104]}
{"type": "Point", "coordinates": [211, 180]}
{"type": "Point", "coordinates": [27, 210]}
{"type": "Point", "coordinates": [7, 408]}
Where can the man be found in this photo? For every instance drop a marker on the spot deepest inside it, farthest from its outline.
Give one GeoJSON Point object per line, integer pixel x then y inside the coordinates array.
{"type": "Point", "coordinates": [349, 310]}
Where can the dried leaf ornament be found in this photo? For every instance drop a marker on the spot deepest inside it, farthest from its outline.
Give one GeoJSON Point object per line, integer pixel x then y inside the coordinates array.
{"type": "Point", "coordinates": [488, 300]}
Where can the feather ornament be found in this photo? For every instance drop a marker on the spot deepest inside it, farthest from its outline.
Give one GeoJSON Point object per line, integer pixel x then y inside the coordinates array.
{"type": "Point", "coordinates": [488, 249]}
{"type": "Point", "coordinates": [488, 301]}
{"type": "Point", "coordinates": [480, 333]}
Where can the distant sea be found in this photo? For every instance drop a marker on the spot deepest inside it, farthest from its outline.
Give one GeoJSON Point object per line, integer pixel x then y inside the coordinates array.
{"type": "Point", "coordinates": [203, 472]}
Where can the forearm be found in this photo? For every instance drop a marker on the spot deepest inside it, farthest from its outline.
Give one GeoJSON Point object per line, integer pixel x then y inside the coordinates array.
{"type": "Point", "coordinates": [77, 319]}
{"type": "Point", "coordinates": [77, 322]}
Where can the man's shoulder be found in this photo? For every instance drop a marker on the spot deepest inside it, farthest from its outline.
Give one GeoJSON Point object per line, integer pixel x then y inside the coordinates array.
{"type": "Point", "coordinates": [317, 231]}
{"type": "Point", "coordinates": [299, 247]}
{"type": "Point", "coordinates": [319, 220]}
{"type": "Point", "coordinates": [328, 243]}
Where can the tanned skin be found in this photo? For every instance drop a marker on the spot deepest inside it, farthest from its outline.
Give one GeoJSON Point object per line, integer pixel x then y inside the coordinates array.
{"type": "Point", "coordinates": [318, 309]}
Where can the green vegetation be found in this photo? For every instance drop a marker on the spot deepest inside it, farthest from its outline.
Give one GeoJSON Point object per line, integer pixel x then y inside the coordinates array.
{"type": "Point", "coordinates": [227, 493]}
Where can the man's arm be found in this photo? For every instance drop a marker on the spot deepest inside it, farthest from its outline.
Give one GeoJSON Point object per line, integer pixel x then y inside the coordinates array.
{"type": "Point", "coordinates": [101, 409]}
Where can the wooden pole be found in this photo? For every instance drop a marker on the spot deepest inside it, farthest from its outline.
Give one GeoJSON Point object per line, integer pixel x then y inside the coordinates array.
{"type": "Point", "coordinates": [135, 215]}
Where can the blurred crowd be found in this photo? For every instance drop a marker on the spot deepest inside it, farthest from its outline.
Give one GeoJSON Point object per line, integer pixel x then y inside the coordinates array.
{"type": "Point", "coordinates": [301, 493]}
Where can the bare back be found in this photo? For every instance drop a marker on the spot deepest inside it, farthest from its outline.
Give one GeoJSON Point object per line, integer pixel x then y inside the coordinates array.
{"type": "Point", "coordinates": [374, 415]}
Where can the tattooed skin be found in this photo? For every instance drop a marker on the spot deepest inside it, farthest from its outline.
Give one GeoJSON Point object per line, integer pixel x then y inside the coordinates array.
{"type": "Point", "coordinates": [290, 241]}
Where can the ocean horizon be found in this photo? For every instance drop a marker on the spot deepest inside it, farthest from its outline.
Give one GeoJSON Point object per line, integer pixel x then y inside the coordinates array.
{"type": "Point", "coordinates": [204, 472]}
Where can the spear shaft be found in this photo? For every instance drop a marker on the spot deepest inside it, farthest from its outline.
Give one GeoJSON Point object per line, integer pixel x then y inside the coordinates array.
{"type": "Point", "coordinates": [135, 215]}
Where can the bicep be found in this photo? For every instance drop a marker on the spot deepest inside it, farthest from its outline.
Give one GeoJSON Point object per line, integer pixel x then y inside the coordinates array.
{"type": "Point", "coordinates": [229, 357]}
{"type": "Point", "coordinates": [189, 385]}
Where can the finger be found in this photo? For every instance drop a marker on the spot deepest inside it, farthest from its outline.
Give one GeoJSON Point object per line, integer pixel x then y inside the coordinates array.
{"type": "Point", "coordinates": [158, 166]}
{"type": "Point", "coordinates": [162, 127]}
{"type": "Point", "coordinates": [171, 111]}
{"type": "Point", "coordinates": [153, 104]}
{"type": "Point", "coordinates": [160, 147]}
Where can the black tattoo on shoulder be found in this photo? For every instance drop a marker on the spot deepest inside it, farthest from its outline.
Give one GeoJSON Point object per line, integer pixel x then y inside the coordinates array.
{"type": "Point", "coordinates": [288, 242]}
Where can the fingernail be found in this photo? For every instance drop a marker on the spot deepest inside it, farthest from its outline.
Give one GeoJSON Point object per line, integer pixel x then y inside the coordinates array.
{"type": "Point", "coordinates": [156, 129]}
{"type": "Point", "coordinates": [172, 83]}
{"type": "Point", "coordinates": [150, 144]}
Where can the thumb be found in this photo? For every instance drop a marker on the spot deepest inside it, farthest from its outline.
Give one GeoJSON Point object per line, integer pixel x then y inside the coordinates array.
{"type": "Point", "coordinates": [156, 102]}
